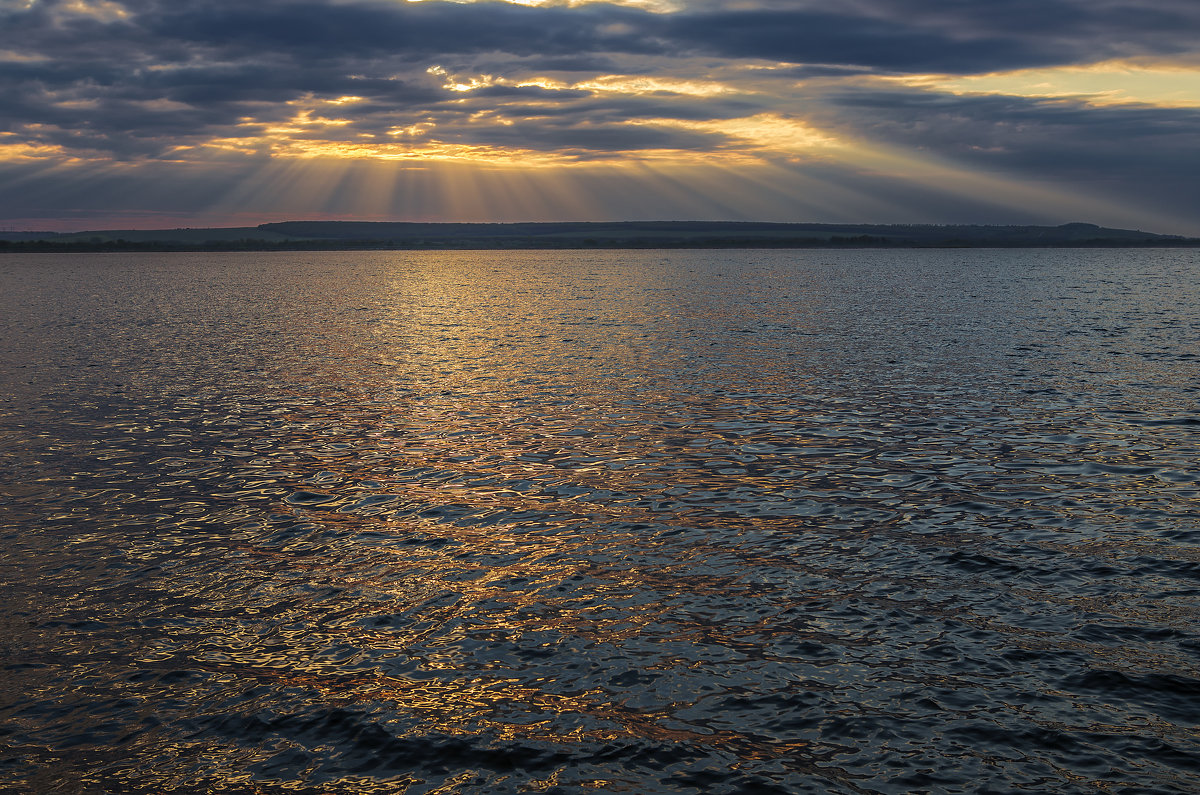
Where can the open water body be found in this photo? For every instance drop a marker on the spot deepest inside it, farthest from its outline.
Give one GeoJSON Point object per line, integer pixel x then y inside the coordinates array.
{"type": "Point", "coordinates": [641, 522]}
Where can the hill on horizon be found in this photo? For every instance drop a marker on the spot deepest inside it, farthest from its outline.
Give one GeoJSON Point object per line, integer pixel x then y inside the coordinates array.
{"type": "Point", "coordinates": [599, 234]}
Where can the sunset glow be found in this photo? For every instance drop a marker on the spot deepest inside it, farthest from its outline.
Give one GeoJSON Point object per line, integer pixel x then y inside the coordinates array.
{"type": "Point", "coordinates": [1111, 83]}
{"type": "Point", "coordinates": [664, 99]}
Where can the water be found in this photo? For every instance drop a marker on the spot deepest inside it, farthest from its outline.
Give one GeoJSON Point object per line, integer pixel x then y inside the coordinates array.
{"type": "Point", "coordinates": [484, 522]}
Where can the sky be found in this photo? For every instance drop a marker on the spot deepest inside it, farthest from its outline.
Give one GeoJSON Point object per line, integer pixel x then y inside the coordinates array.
{"type": "Point", "coordinates": [169, 113]}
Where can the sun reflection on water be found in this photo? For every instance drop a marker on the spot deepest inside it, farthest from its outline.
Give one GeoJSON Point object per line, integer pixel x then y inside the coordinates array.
{"type": "Point", "coordinates": [636, 520]}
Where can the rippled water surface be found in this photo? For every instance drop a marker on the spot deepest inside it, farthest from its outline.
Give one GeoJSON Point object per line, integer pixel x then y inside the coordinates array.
{"type": "Point", "coordinates": [706, 522]}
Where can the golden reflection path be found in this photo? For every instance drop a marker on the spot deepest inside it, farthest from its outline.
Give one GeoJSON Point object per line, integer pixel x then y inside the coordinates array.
{"type": "Point", "coordinates": [435, 522]}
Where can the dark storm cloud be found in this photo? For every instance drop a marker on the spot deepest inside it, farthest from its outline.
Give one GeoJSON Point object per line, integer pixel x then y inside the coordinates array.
{"type": "Point", "coordinates": [945, 35]}
{"type": "Point", "coordinates": [575, 63]}
{"type": "Point", "coordinates": [1140, 152]}
{"type": "Point", "coordinates": [413, 31]}
{"type": "Point", "coordinates": [830, 38]}
{"type": "Point", "coordinates": [910, 35]}
{"type": "Point", "coordinates": [1030, 133]}
{"type": "Point", "coordinates": [330, 33]}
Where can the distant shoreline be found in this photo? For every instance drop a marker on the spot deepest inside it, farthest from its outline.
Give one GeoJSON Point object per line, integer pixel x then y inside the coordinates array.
{"type": "Point", "coordinates": [410, 236]}
{"type": "Point", "coordinates": [34, 247]}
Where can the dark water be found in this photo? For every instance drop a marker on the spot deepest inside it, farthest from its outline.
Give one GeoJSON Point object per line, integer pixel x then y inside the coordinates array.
{"type": "Point", "coordinates": [641, 522]}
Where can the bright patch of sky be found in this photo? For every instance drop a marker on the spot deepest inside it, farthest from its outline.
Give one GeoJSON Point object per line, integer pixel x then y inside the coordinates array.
{"type": "Point", "coordinates": [1093, 106]}
{"type": "Point", "coordinates": [1107, 83]}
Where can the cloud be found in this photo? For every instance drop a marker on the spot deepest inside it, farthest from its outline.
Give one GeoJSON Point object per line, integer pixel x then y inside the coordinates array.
{"type": "Point", "coordinates": [219, 80]}
{"type": "Point", "coordinates": [1144, 154]}
{"type": "Point", "coordinates": [1043, 135]}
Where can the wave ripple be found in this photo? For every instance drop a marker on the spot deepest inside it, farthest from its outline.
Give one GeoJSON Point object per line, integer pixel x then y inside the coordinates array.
{"type": "Point", "coordinates": [847, 522]}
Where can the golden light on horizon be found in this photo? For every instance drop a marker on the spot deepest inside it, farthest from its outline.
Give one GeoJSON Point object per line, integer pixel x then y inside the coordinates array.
{"type": "Point", "coordinates": [16, 150]}
{"type": "Point", "coordinates": [1105, 83]}
{"type": "Point", "coordinates": [600, 84]}
{"type": "Point", "coordinates": [754, 136]}
{"type": "Point", "coordinates": [639, 84]}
